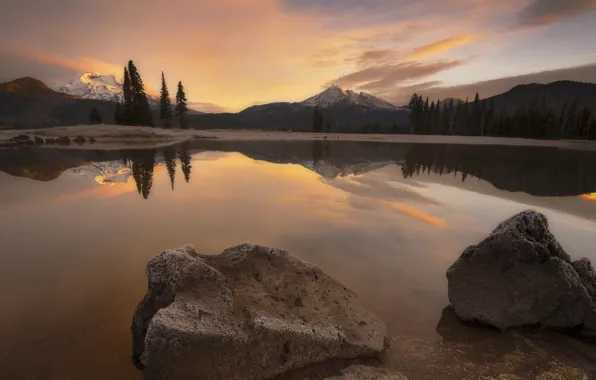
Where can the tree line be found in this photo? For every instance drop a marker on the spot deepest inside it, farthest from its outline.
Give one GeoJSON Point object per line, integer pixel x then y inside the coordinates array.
{"type": "Point", "coordinates": [134, 109]}
{"type": "Point", "coordinates": [533, 119]}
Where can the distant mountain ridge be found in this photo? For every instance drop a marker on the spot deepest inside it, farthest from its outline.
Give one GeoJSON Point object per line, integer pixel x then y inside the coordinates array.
{"type": "Point", "coordinates": [28, 102]}
{"type": "Point", "coordinates": [555, 95]}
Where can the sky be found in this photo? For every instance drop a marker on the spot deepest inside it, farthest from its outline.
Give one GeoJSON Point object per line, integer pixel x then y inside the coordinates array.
{"type": "Point", "coordinates": [231, 54]}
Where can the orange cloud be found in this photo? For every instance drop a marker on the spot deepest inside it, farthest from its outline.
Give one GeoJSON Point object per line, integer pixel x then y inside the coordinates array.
{"type": "Point", "coordinates": [442, 46]}
{"type": "Point", "coordinates": [79, 64]}
{"type": "Point", "coordinates": [591, 196]}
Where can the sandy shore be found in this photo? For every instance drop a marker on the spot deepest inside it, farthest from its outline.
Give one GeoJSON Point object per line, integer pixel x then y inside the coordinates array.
{"type": "Point", "coordinates": [117, 136]}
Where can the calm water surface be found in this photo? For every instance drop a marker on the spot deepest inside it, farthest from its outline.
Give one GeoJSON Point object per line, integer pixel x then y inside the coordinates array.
{"type": "Point", "coordinates": [77, 228]}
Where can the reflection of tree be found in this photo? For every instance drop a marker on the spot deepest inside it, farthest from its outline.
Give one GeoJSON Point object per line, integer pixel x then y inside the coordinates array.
{"type": "Point", "coordinates": [321, 150]}
{"type": "Point", "coordinates": [170, 158]}
{"type": "Point", "coordinates": [537, 171]}
{"type": "Point", "coordinates": [317, 151]}
{"type": "Point", "coordinates": [143, 162]}
{"type": "Point", "coordinates": [185, 158]}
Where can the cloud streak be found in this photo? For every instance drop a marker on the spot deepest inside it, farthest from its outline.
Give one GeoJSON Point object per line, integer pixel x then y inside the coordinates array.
{"type": "Point", "coordinates": [433, 89]}
{"type": "Point", "coordinates": [384, 77]}
{"type": "Point", "coordinates": [442, 46]}
{"type": "Point", "coordinates": [78, 64]}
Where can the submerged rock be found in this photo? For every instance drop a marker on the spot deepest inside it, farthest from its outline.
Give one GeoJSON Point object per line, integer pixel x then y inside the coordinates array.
{"type": "Point", "coordinates": [519, 275]}
{"type": "Point", "coordinates": [251, 312]}
{"type": "Point", "coordinates": [92, 140]}
{"type": "Point", "coordinates": [80, 140]}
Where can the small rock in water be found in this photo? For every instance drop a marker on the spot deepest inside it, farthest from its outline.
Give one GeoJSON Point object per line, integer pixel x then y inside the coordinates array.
{"type": "Point", "coordinates": [39, 140]}
{"type": "Point", "coordinates": [237, 315]}
{"type": "Point", "coordinates": [92, 140]}
{"type": "Point", "coordinates": [50, 140]}
{"type": "Point", "coordinates": [519, 275]}
{"type": "Point", "coordinates": [80, 140]}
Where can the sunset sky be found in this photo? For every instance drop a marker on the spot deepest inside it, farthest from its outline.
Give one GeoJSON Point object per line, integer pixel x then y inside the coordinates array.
{"type": "Point", "coordinates": [231, 54]}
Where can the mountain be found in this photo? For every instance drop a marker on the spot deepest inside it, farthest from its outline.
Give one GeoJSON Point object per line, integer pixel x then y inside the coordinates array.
{"type": "Point", "coordinates": [555, 96]}
{"type": "Point", "coordinates": [335, 96]}
{"type": "Point", "coordinates": [96, 86]}
{"type": "Point", "coordinates": [344, 109]}
{"type": "Point", "coordinates": [91, 86]}
{"type": "Point", "coordinates": [28, 102]}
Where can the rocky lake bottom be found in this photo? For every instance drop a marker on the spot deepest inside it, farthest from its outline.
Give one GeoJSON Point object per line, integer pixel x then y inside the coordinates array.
{"type": "Point", "coordinates": [77, 228]}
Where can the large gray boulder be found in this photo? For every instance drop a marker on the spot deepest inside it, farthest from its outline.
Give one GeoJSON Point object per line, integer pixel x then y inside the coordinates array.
{"type": "Point", "coordinates": [519, 275]}
{"type": "Point", "coordinates": [251, 312]}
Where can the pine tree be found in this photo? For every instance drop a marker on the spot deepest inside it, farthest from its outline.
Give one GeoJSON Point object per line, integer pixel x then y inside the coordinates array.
{"type": "Point", "coordinates": [128, 99]}
{"type": "Point", "coordinates": [476, 119]}
{"type": "Point", "coordinates": [165, 105]}
{"type": "Point", "coordinates": [466, 118]}
{"type": "Point", "coordinates": [94, 116]}
{"type": "Point", "coordinates": [416, 107]}
{"type": "Point", "coordinates": [318, 121]}
{"type": "Point", "coordinates": [141, 112]}
{"type": "Point", "coordinates": [181, 109]}
{"type": "Point", "coordinates": [425, 113]}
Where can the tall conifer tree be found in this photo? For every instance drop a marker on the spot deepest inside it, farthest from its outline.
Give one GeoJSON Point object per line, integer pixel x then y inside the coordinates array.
{"type": "Point", "coordinates": [128, 99]}
{"type": "Point", "coordinates": [181, 109]}
{"type": "Point", "coordinates": [165, 105]}
{"type": "Point", "coordinates": [141, 110]}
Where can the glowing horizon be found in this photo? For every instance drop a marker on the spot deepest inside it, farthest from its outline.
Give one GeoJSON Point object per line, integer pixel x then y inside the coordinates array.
{"type": "Point", "coordinates": [231, 54]}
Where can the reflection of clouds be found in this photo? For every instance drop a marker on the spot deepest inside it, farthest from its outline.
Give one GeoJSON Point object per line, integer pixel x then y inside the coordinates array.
{"type": "Point", "coordinates": [209, 156]}
{"type": "Point", "coordinates": [417, 214]}
{"type": "Point", "coordinates": [383, 185]}
{"type": "Point", "coordinates": [591, 196]}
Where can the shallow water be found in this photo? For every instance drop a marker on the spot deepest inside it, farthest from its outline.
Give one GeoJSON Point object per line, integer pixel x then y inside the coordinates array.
{"type": "Point", "coordinates": [387, 220]}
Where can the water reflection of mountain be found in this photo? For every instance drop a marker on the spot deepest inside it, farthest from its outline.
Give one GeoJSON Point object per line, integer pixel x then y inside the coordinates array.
{"type": "Point", "coordinates": [537, 171]}
{"type": "Point", "coordinates": [104, 167]}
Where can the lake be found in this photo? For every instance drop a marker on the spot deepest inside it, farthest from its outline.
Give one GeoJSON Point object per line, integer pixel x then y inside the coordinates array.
{"type": "Point", "coordinates": [78, 226]}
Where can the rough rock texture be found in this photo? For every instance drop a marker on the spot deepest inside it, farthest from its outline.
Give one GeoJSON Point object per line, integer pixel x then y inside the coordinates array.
{"type": "Point", "coordinates": [520, 275]}
{"type": "Point", "coordinates": [360, 372]}
{"type": "Point", "coordinates": [251, 312]}
{"type": "Point", "coordinates": [80, 140]}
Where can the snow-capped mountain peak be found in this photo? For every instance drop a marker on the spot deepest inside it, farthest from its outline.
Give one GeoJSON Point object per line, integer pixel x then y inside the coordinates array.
{"type": "Point", "coordinates": [92, 86]}
{"type": "Point", "coordinates": [335, 95]}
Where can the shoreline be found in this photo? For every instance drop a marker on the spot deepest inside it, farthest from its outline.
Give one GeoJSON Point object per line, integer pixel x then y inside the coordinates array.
{"type": "Point", "coordinates": [131, 137]}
